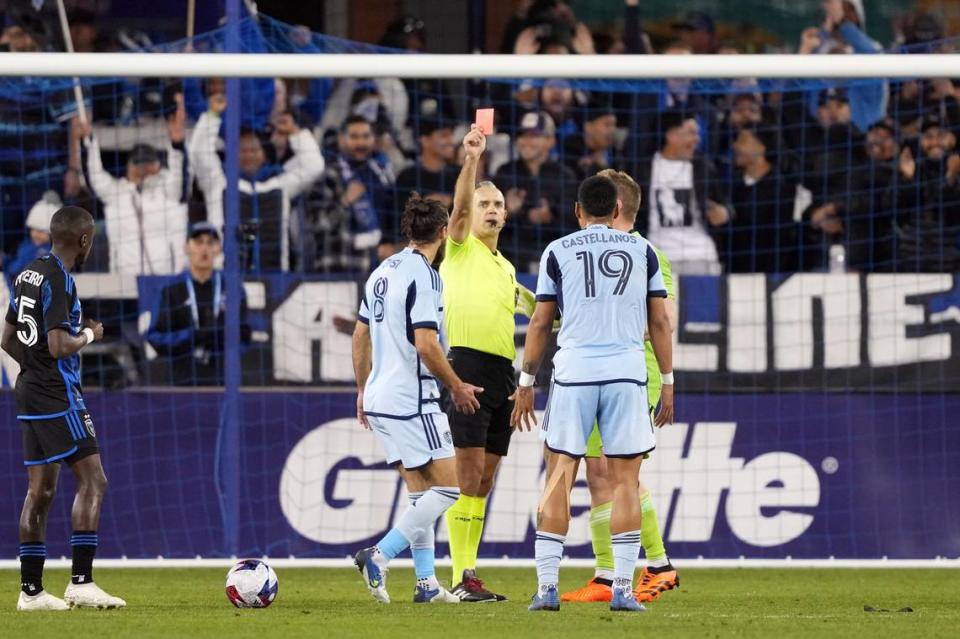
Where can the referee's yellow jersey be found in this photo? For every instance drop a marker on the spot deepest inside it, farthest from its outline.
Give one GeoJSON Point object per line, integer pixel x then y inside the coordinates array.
{"type": "Point", "coordinates": [479, 298]}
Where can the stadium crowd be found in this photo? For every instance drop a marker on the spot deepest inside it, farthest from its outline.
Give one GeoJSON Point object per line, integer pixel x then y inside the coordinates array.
{"type": "Point", "coordinates": [736, 176]}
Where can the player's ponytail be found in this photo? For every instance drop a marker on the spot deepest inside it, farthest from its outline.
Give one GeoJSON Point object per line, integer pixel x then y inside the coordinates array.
{"type": "Point", "coordinates": [422, 219]}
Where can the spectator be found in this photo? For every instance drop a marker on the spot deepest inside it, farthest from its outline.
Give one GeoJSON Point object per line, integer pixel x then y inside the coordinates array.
{"type": "Point", "coordinates": [435, 174]}
{"type": "Point", "coordinates": [351, 206]}
{"type": "Point", "coordinates": [928, 216]}
{"type": "Point", "coordinates": [266, 189]}
{"type": "Point", "coordinates": [697, 31]}
{"type": "Point", "coordinates": [593, 150]}
{"type": "Point", "coordinates": [143, 212]}
{"type": "Point", "coordinates": [635, 39]}
{"type": "Point", "coordinates": [763, 234]}
{"type": "Point", "coordinates": [37, 242]}
{"type": "Point", "coordinates": [842, 32]}
{"type": "Point", "coordinates": [547, 26]}
{"type": "Point", "coordinates": [188, 327]}
{"type": "Point", "coordinates": [83, 31]}
{"type": "Point", "coordinates": [538, 190]}
{"type": "Point", "coordinates": [683, 206]}
{"type": "Point", "coordinates": [875, 185]}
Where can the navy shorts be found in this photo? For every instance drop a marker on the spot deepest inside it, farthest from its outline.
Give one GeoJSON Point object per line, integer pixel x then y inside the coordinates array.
{"type": "Point", "coordinates": [66, 437]}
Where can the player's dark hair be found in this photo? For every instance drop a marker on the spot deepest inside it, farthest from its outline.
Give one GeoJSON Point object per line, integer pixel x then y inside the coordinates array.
{"type": "Point", "coordinates": [69, 223]}
{"type": "Point", "coordinates": [422, 219]}
{"type": "Point", "coordinates": [597, 196]}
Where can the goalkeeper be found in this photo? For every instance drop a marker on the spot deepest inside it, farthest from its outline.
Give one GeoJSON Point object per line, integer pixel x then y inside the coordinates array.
{"type": "Point", "coordinates": [659, 575]}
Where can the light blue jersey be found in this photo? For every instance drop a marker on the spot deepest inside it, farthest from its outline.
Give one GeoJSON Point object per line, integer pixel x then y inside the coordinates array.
{"type": "Point", "coordinates": [403, 294]}
{"type": "Point", "coordinates": [601, 279]}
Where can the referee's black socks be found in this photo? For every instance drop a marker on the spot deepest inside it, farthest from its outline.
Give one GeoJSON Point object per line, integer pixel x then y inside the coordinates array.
{"type": "Point", "coordinates": [84, 543]}
{"type": "Point", "coordinates": [32, 556]}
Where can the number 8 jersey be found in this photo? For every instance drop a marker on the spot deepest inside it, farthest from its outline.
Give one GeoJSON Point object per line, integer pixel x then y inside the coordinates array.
{"type": "Point", "coordinates": [45, 298]}
{"type": "Point", "coordinates": [600, 279]}
{"type": "Point", "coordinates": [402, 294]}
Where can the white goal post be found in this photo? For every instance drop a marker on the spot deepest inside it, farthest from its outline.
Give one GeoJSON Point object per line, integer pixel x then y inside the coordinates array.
{"type": "Point", "coordinates": [402, 65]}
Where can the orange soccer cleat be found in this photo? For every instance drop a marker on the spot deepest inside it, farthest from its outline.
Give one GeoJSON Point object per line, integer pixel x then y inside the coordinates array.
{"type": "Point", "coordinates": [597, 589]}
{"type": "Point", "coordinates": [652, 584]}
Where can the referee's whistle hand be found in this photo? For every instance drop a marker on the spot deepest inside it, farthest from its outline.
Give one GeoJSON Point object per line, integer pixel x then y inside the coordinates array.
{"type": "Point", "coordinates": [464, 397]}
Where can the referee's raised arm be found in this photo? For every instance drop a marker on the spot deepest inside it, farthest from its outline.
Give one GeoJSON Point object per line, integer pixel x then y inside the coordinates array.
{"type": "Point", "coordinates": [474, 144]}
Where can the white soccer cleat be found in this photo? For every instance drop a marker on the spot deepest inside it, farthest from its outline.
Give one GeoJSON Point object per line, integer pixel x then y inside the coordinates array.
{"type": "Point", "coordinates": [91, 596]}
{"type": "Point", "coordinates": [42, 601]}
{"type": "Point", "coordinates": [436, 595]}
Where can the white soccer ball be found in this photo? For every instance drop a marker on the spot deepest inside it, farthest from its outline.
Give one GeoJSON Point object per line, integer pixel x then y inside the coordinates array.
{"type": "Point", "coordinates": [252, 584]}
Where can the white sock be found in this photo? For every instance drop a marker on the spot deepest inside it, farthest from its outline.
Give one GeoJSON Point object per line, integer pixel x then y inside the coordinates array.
{"type": "Point", "coordinates": [660, 562]}
{"type": "Point", "coordinates": [603, 573]}
{"type": "Point", "coordinates": [425, 512]}
{"type": "Point", "coordinates": [430, 583]}
{"type": "Point", "coordinates": [548, 550]}
{"type": "Point", "coordinates": [626, 551]}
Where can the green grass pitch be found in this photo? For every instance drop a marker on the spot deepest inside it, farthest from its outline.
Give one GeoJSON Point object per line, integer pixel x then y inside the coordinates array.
{"type": "Point", "coordinates": [177, 603]}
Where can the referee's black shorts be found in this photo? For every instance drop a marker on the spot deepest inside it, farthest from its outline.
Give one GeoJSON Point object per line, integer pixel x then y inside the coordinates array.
{"type": "Point", "coordinates": [488, 428]}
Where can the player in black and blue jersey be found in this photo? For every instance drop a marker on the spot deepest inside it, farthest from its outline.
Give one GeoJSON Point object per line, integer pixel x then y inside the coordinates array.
{"type": "Point", "coordinates": [44, 334]}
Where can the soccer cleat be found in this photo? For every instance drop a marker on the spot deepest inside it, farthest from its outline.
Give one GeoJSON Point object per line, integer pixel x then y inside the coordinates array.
{"type": "Point", "coordinates": [435, 595]}
{"type": "Point", "coordinates": [90, 595]}
{"type": "Point", "coordinates": [471, 589]}
{"type": "Point", "coordinates": [653, 584]}
{"type": "Point", "coordinates": [42, 601]}
{"type": "Point", "coordinates": [548, 600]}
{"type": "Point", "coordinates": [597, 589]}
{"type": "Point", "coordinates": [374, 575]}
{"type": "Point", "coordinates": [623, 601]}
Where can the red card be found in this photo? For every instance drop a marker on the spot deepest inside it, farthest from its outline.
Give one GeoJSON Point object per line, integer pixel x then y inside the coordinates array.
{"type": "Point", "coordinates": [485, 121]}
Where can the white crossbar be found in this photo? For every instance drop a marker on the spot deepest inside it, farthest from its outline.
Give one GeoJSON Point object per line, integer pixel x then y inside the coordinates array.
{"type": "Point", "coordinates": [477, 66]}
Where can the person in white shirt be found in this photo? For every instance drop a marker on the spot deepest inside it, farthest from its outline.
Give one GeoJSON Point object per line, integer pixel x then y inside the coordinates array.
{"type": "Point", "coordinates": [265, 189]}
{"type": "Point", "coordinates": [684, 205]}
{"type": "Point", "coordinates": [145, 216]}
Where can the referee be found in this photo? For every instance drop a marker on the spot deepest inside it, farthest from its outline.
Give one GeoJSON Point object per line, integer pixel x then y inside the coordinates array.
{"type": "Point", "coordinates": [481, 296]}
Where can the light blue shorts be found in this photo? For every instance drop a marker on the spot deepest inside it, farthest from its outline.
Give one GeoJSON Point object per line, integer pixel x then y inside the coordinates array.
{"type": "Point", "coordinates": [414, 442]}
{"type": "Point", "coordinates": [618, 408]}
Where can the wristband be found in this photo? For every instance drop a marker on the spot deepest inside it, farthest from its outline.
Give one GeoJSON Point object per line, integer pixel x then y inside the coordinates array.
{"type": "Point", "coordinates": [666, 378]}
{"type": "Point", "coordinates": [89, 333]}
{"type": "Point", "coordinates": [527, 380]}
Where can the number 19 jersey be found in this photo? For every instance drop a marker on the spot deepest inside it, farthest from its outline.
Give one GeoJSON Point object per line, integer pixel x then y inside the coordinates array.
{"type": "Point", "coordinates": [600, 279]}
{"type": "Point", "coordinates": [403, 294]}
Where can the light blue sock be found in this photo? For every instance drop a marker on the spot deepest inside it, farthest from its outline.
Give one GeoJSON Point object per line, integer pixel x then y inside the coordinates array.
{"type": "Point", "coordinates": [392, 544]}
{"type": "Point", "coordinates": [422, 548]}
{"type": "Point", "coordinates": [548, 549]}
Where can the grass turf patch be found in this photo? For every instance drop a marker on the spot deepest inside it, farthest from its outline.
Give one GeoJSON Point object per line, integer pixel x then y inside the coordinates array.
{"type": "Point", "coordinates": [777, 603]}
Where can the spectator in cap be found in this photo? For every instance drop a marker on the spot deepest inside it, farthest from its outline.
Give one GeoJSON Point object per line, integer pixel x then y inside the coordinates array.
{"type": "Point", "coordinates": [539, 191]}
{"type": "Point", "coordinates": [37, 242]}
{"type": "Point", "coordinates": [763, 233]}
{"type": "Point", "coordinates": [685, 207]}
{"type": "Point", "coordinates": [435, 173]}
{"type": "Point", "coordinates": [143, 211]}
{"type": "Point", "coordinates": [697, 31]}
{"type": "Point", "coordinates": [842, 33]}
{"type": "Point", "coordinates": [187, 325]}
{"type": "Point", "coordinates": [266, 188]}
{"type": "Point", "coordinates": [594, 149]}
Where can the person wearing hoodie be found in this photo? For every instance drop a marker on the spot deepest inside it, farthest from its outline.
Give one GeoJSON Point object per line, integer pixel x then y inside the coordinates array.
{"type": "Point", "coordinates": [37, 242]}
{"type": "Point", "coordinates": [266, 189]}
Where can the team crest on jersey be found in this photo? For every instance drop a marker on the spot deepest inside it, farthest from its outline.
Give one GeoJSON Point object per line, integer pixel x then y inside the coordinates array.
{"type": "Point", "coordinates": [447, 437]}
{"type": "Point", "coordinates": [88, 423]}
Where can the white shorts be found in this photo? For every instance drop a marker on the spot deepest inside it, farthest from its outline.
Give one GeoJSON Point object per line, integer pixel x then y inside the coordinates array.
{"type": "Point", "coordinates": [619, 409]}
{"type": "Point", "coordinates": [414, 442]}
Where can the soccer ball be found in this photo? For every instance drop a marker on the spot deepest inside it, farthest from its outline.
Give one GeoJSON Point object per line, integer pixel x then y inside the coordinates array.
{"type": "Point", "coordinates": [252, 584]}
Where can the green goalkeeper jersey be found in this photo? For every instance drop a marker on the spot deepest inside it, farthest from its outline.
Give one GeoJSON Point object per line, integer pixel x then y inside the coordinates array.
{"type": "Point", "coordinates": [653, 370]}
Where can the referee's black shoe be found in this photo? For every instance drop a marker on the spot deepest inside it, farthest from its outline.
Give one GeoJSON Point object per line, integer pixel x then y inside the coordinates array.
{"type": "Point", "coordinates": [471, 590]}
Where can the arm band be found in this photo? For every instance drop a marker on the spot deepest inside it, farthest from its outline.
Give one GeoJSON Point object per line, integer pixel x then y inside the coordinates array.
{"type": "Point", "coordinates": [527, 380]}
{"type": "Point", "coordinates": [666, 378]}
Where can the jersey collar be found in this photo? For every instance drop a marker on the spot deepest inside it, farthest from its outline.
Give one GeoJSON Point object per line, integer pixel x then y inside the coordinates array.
{"type": "Point", "coordinates": [597, 226]}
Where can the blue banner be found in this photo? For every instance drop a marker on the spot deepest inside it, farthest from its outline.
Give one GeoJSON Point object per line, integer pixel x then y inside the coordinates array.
{"type": "Point", "coordinates": [801, 475]}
